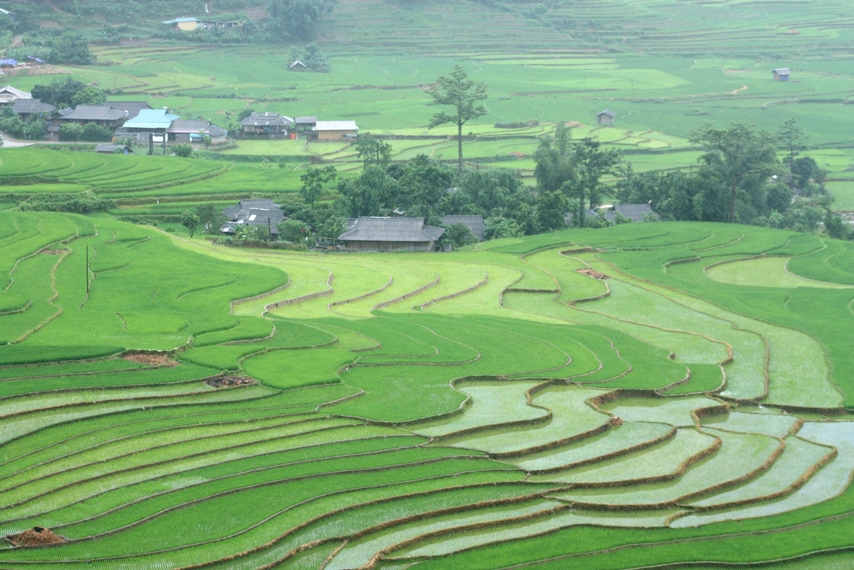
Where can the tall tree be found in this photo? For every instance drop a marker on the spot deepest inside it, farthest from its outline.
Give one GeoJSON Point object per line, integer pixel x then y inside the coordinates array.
{"type": "Point", "coordinates": [592, 163]}
{"type": "Point", "coordinates": [791, 138]}
{"type": "Point", "coordinates": [313, 180]}
{"type": "Point", "coordinates": [298, 18]}
{"type": "Point", "coordinates": [738, 157]}
{"type": "Point", "coordinates": [463, 95]}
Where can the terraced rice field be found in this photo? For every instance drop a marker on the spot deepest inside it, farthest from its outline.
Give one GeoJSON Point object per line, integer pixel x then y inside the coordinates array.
{"type": "Point", "coordinates": [178, 404]}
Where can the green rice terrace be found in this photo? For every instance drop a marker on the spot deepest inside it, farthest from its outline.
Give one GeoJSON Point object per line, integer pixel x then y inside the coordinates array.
{"type": "Point", "coordinates": [635, 396]}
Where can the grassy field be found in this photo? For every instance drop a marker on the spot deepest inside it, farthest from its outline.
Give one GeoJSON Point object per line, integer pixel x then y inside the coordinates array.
{"type": "Point", "coordinates": [153, 422]}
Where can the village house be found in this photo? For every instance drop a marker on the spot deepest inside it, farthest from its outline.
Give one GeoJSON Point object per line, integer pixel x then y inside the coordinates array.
{"type": "Point", "coordinates": [605, 117]}
{"type": "Point", "coordinates": [265, 126]}
{"type": "Point", "coordinates": [9, 94]}
{"type": "Point", "coordinates": [335, 130]}
{"type": "Point", "coordinates": [193, 24]}
{"type": "Point", "coordinates": [130, 108]}
{"type": "Point", "coordinates": [30, 109]}
{"type": "Point", "coordinates": [148, 122]}
{"type": "Point", "coordinates": [388, 234]}
{"type": "Point", "coordinates": [195, 131]}
{"type": "Point", "coordinates": [100, 115]}
{"type": "Point", "coordinates": [248, 213]}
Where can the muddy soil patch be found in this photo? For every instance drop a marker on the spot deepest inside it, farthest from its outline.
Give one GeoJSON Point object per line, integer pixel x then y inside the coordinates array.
{"type": "Point", "coordinates": [150, 358]}
{"type": "Point", "coordinates": [229, 381]}
{"type": "Point", "coordinates": [593, 273]}
{"type": "Point", "coordinates": [36, 536]}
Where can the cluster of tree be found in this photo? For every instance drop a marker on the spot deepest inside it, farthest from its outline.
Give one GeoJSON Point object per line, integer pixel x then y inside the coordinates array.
{"type": "Point", "coordinates": [12, 124]}
{"type": "Point", "coordinates": [740, 179]}
{"type": "Point", "coordinates": [570, 174]}
{"type": "Point", "coordinates": [296, 18]}
{"type": "Point", "coordinates": [311, 56]}
{"type": "Point", "coordinates": [70, 47]}
{"type": "Point", "coordinates": [67, 92]}
{"type": "Point", "coordinates": [90, 132]}
{"type": "Point", "coordinates": [84, 202]}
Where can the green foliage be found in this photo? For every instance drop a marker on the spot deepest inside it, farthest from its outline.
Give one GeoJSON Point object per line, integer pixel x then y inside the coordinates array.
{"type": "Point", "coordinates": [459, 235]}
{"type": "Point", "coordinates": [62, 92]}
{"type": "Point", "coordinates": [83, 203]}
{"type": "Point", "coordinates": [191, 221]}
{"type": "Point", "coordinates": [294, 231]}
{"type": "Point", "coordinates": [373, 150]}
{"type": "Point", "coordinates": [182, 150]}
{"type": "Point", "coordinates": [71, 131]}
{"type": "Point", "coordinates": [89, 96]}
{"type": "Point", "coordinates": [313, 180]}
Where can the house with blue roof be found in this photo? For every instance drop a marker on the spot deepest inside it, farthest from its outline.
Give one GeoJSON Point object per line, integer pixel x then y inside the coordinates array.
{"type": "Point", "coordinates": [147, 123]}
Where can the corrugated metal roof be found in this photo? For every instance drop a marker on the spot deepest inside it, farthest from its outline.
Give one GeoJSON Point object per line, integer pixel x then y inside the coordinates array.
{"type": "Point", "coordinates": [151, 119]}
{"type": "Point", "coordinates": [336, 126]}
{"type": "Point", "coordinates": [611, 114]}
{"type": "Point", "coordinates": [391, 229]}
{"type": "Point", "coordinates": [266, 120]}
{"type": "Point", "coordinates": [635, 212]}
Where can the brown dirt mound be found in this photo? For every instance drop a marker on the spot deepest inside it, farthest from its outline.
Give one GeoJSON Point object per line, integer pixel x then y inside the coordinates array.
{"type": "Point", "coordinates": [229, 381]}
{"type": "Point", "coordinates": [53, 251]}
{"type": "Point", "coordinates": [36, 536]}
{"type": "Point", "coordinates": [150, 358]}
{"type": "Point", "coordinates": [593, 273]}
{"type": "Point", "coordinates": [574, 124]}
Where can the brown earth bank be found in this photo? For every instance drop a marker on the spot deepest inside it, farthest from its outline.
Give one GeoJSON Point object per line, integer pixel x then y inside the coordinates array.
{"type": "Point", "coordinates": [593, 273]}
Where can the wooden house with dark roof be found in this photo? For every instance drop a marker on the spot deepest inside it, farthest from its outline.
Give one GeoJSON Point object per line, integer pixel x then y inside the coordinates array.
{"type": "Point", "coordinates": [265, 126]}
{"type": "Point", "coordinates": [475, 224]}
{"type": "Point", "coordinates": [389, 234]}
{"type": "Point", "coordinates": [28, 109]}
{"type": "Point", "coordinates": [195, 131]}
{"type": "Point", "coordinates": [263, 212]}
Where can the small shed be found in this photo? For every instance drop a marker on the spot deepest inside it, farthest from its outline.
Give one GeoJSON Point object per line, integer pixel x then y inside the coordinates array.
{"type": "Point", "coordinates": [634, 212]}
{"type": "Point", "coordinates": [387, 234]}
{"type": "Point", "coordinates": [605, 117]}
{"type": "Point", "coordinates": [781, 74]}
{"type": "Point", "coordinates": [336, 130]}
{"type": "Point", "coordinates": [109, 148]}
{"type": "Point", "coordinates": [184, 24]}
{"type": "Point", "coordinates": [297, 66]}
{"type": "Point", "coordinates": [474, 223]}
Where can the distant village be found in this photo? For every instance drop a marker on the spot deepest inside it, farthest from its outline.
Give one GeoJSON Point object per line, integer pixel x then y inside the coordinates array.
{"type": "Point", "coordinates": [138, 122]}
